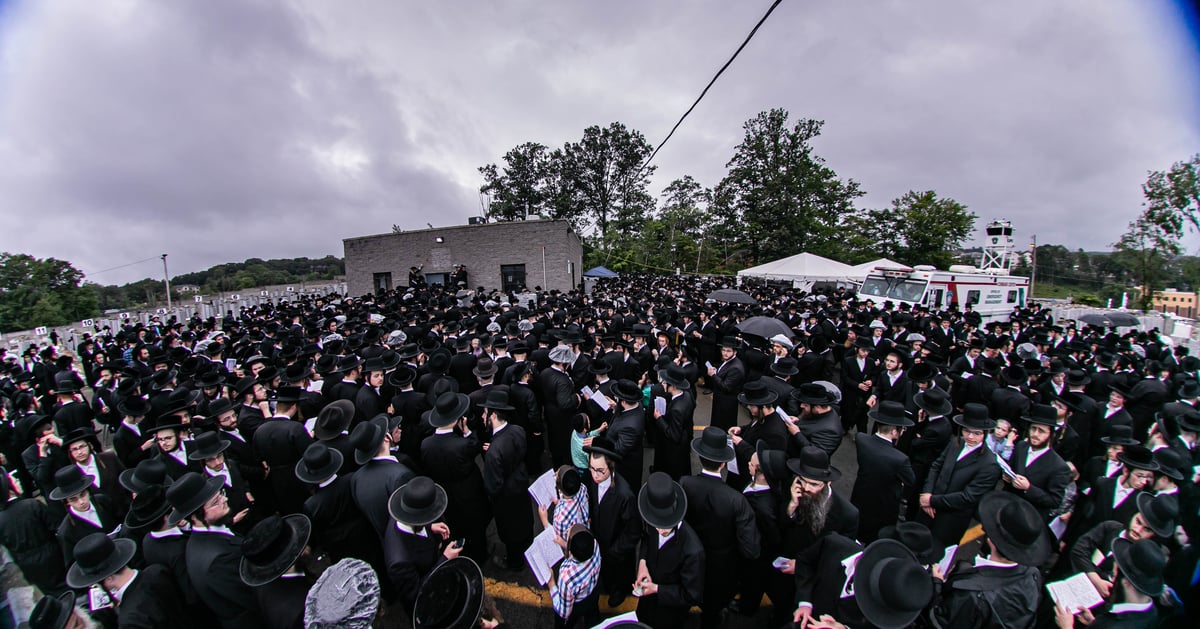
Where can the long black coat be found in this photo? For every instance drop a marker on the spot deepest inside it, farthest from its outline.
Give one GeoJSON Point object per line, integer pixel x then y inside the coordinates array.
{"type": "Point", "coordinates": [153, 600]}
{"type": "Point", "coordinates": [409, 558]}
{"type": "Point", "coordinates": [725, 524]}
{"type": "Point", "coordinates": [560, 403]}
{"type": "Point", "coordinates": [989, 597]}
{"type": "Point", "coordinates": [212, 562]}
{"type": "Point", "coordinates": [339, 526]}
{"type": "Point", "coordinates": [71, 416]}
{"type": "Point", "coordinates": [820, 577]}
{"type": "Point", "coordinates": [672, 449]}
{"type": "Point", "coordinates": [371, 487]}
{"type": "Point", "coordinates": [27, 530]}
{"type": "Point", "coordinates": [617, 527]}
{"type": "Point", "coordinates": [883, 473]}
{"type": "Point", "coordinates": [823, 431]}
{"type": "Point", "coordinates": [280, 443]}
{"type": "Point", "coordinates": [626, 432]}
{"type": "Point", "coordinates": [170, 551]}
{"type": "Point", "coordinates": [769, 429]}
{"type": "Point", "coordinates": [73, 529]}
{"type": "Point", "coordinates": [128, 446]}
{"type": "Point", "coordinates": [678, 568]}
{"type": "Point", "coordinates": [956, 488]}
{"type": "Point", "coordinates": [282, 601]}
{"type": "Point", "coordinates": [1048, 478]}
{"type": "Point", "coordinates": [451, 461]}
{"type": "Point", "coordinates": [842, 519]}
{"type": "Point", "coordinates": [726, 385]}
{"type": "Point", "coordinates": [506, 482]}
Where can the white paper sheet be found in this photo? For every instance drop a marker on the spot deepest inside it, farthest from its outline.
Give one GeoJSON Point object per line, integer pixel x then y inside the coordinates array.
{"type": "Point", "coordinates": [947, 559]}
{"type": "Point", "coordinates": [660, 405]}
{"type": "Point", "coordinates": [544, 490]}
{"type": "Point", "coordinates": [783, 415]}
{"type": "Point", "coordinates": [626, 617]}
{"type": "Point", "coordinates": [1058, 526]}
{"type": "Point", "coordinates": [600, 400]}
{"type": "Point", "coordinates": [1074, 593]}
{"type": "Point", "coordinates": [732, 466]}
{"type": "Point", "coordinates": [1005, 468]}
{"type": "Point", "coordinates": [586, 391]}
{"type": "Point", "coordinates": [543, 554]}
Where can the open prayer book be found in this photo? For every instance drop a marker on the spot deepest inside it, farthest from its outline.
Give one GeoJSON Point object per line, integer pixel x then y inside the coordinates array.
{"type": "Point", "coordinates": [1074, 593]}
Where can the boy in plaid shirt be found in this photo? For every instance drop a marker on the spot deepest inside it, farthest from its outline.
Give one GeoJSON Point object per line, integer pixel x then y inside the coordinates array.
{"type": "Point", "coordinates": [573, 592]}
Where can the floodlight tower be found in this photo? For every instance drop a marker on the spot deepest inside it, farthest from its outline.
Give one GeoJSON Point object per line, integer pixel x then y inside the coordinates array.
{"type": "Point", "coordinates": [998, 247]}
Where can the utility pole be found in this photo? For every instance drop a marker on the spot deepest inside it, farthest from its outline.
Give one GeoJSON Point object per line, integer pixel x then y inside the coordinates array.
{"type": "Point", "coordinates": [1033, 266]}
{"type": "Point", "coordinates": [166, 280]}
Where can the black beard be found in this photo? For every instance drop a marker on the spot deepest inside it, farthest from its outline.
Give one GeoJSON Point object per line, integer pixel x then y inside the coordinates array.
{"type": "Point", "coordinates": [812, 511]}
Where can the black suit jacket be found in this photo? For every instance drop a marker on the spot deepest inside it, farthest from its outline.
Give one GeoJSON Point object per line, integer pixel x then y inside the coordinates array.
{"type": "Point", "coordinates": [338, 525]}
{"type": "Point", "coordinates": [409, 558]}
{"type": "Point", "coordinates": [1008, 403]}
{"type": "Point", "coordinates": [212, 562]}
{"type": "Point", "coordinates": [73, 529]}
{"type": "Point", "coordinates": [1099, 506]}
{"type": "Point", "coordinates": [672, 450]}
{"type": "Point", "coordinates": [957, 487]}
{"type": "Point", "coordinates": [722, 519]}
{"type": "Point", "coordinates": [371, 487]}
{"type": "Point", "coordinates": [823, 431]}
{"type": "Point", "coordinates": [820, 577]}
{"type": "Point", "coordinates": [282, 601]}
{"type": "Point", "coordinates": [883, 472]}
{"type": "Point", "coordinates": [615, 519]}
{"type": "Point", "coordinates": [1048, 478]}
{"type": "Point", "coordinates": [770, 430]}
{"type": "Point", "coordinates": [128, 446]}
{"type": "Point", "coordinates": [170, 551]}
{"type": "Point", "coordinates": [280, 443]}
{"type": "Point", "coordinates": [153, 600]}
{"type": "Point", "coordinates": [72, 416]}
{"type": "Point", "coordinates": [678, 568]}
{"type": "Point", "coordinates": [842, 518]}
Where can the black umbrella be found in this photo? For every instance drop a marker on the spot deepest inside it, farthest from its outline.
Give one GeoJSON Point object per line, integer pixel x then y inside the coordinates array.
{"type": "Point", "coordinates": [732, 295]}
{"type": "Point", "coordinates": [1111, 319]}
{"type": "Point", "coordinates": [765, 327]}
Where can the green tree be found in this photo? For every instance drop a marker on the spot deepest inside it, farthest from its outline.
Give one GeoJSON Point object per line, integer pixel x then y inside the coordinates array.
{"type": "Point", "coordinates": [521, 187]}
{"type": "Point", "coordinates": [923, 229]}
{"type": "Point", "coordinates": [35, 291]}
{"type": "Point", "coordinates": [781, 193]}
{"type": "Point", "coordinates": [604, 173]}
{"type": "Point", "coordinates": [1173, 197]}
{"type": "Point", "coordinates": [1147, 247]}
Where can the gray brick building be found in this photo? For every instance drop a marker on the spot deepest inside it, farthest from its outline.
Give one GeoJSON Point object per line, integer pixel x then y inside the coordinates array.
{"type": "Point", "coordinates": [502, 255]}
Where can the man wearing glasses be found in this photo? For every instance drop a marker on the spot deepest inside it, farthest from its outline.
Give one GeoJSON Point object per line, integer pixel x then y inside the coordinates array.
{"type": "Point", "coordinates": [960, 477]}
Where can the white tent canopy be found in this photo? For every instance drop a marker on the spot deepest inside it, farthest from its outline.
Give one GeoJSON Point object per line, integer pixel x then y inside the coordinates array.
{"type": "Point", "coordinates": [802, 267]}
{"type": "Point", "coordinates": [859, 271]}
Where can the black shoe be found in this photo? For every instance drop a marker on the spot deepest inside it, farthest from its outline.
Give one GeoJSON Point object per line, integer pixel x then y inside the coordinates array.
{"type": "Point", "coordinates": [616, 598]}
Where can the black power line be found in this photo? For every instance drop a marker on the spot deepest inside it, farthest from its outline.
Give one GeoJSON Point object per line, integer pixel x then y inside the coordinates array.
{"type": "Point", "coordinates": [710, 84]}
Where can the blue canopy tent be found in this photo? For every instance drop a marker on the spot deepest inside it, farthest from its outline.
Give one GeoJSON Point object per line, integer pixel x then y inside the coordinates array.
{"type": "Point", "coordinates": [599, 271]}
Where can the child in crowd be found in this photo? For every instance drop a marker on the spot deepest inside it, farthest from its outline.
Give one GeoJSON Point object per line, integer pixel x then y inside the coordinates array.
{"type": "Point", "coordinates": [580, 424]}
{"type": "Point", "coordinates": [1002, 439]}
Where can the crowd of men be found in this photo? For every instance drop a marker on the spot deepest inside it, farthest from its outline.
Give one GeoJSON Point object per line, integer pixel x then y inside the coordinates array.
{"type": "Point", "coordinates": [222, 471]}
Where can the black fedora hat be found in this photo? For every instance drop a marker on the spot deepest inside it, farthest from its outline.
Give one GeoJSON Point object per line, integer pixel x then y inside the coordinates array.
{"type": "Point", "coordinates": [188, 494]}
{"type": "Point", "coordinates": [603, 445]}
{"type": "Point", "coordinates": [484, 368]}
{"type": "Point", "coordinates": [390, 359]}
{"type": "Point", "coordinates": [922, 372]}
{"type": "Point", "coordinates": [160, 379]}
{"type": "Point", "coordinates": [219, 407]}
{"type": "Point", "coordinates": [497, 399]}
{"type": "Point", "coordinates": [402, 376]}
{"type": "Point", "coordinates": [1190, 389]}
{"type": "Point", "coordinates": [447, 409]}
{"type": "Point", "coordinates": [272, 546]}
{"type": "Point", "coordinates": [326, 364]}
{"type": "Point", "coordinates": [774, 464]}
{"type": "Point", "coordinates": [69, 481]}
{"type": "Point", "coordinates": [208, 379]}
{"type": "Point", "coordinates": [785, 367]}
{"type": "Point", "coordinates": [917, 538]}
{"type": "Point", "coordinates": [1171, 464]}
{"type": "Point", "coordinates": [756, 393]}
{"type": "Point", "coordinates": [349, 363]}
{"type": "Point", "coordinates": [627, 391]}
{"type": "Point", "coordinates": [1077, 378]}
{"type": "Point", "coordinates": [662, 502]}
{"type": "Point", "coordinates": [419, 502]}
{"type": "Point", "coordinates": [52, 612]}
{"type": "Point", "coordinates": [65, 382]}
{"type": "Point", "coordinates": [890, 413]}
{"type": "Point", "coordinates": [1015, 527]}
{"type": "Point", "coordinates": [318, 464]}
{"type": "Point", "coordinates": [180, 400]}
{"type": "Point", "coordinates": [82, 434]}
{"type": "Point", "coordinates": [891, 586]}
{"type": "Point", "coordinates": [1043, 414]}
{"type": "Point", "coordinates": [288, 394]}
{"type": "Point", "coordinates": [713, 444]}
{"type": "Point", "coordinates": [450, 597]}
{"type": "Point", "coordinates": [147, 473]}
{"type": "Point", "coordinates": [148, 507]}
{"type": "Point", "coordinates": [1161, 513]}
{"type": "Point", "coordinates": [675, 376]}
{"type": "Point", "coordinates": [1138, 457]}
{"type": "Point", "coordinates": [814, 464]}
{"type": "Point", "coordinates": [334, 419]}
{"type": "Point", "coordinates": [244, 386]}
{"type": "Point", "coordinates": [98, 556]}
{"type": "Point", "coordinates": [599, 367]}
{"type": "Point", "coordinates": [975, 417]}
{"type": "Point", "coordinates": [1142, 563]}
{"type": "Point", "coordinates": [1120, 435]}
{"type": "Point", "coordinates": [935, 402]}
{"type": "Point", "coordinates": [206, 446]}
{"type": "Point", "coordinates": [814, 394]}
{"type": "Point", "coordinates": [134, 406]}
{"type": "Point", "coordinates": [366, 438]}
{"type": "Point", "coordinates": [296, 372]}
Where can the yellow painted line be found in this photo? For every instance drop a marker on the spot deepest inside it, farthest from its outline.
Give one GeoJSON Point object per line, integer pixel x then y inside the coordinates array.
{"type": "Point", "coordinates": [972, 534]}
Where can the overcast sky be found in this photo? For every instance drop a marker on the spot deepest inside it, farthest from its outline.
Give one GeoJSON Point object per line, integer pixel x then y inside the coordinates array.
{"type": "Point", "coordinates": [220, 130]}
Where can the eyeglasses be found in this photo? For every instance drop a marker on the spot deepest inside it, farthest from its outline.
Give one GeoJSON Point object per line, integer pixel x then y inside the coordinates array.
{"type": "Point", "coordinates": [599, 470]}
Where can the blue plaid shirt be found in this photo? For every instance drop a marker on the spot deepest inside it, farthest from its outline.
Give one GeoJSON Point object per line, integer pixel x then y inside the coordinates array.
{"type": "Point", "coordinates": [576, 581]}
{"type": "Point", "coordinates": [570, 511]}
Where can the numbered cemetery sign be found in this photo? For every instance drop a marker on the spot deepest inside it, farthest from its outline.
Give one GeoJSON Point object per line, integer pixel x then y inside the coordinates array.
{"type": "Point", "coordinates": [264, 293]}
{"type": "Point", "coordinates": [236, 297]}
{"type": "Point", "coordinates": [198, 299]}
{"type": "Point", "coordinates": [161, 311]}
{"type": "Point", "coordinates": [40, 330]}
{"type": "Point", "coordinates": [124, 315]}
{"type": "Point", "coordinates": [87, 323]}
{"type": "Point", "coordinates": [291, 289]}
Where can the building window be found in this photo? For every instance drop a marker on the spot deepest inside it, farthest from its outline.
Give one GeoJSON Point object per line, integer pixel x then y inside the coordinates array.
{"type": "Point", "coordinates": [437, 278]}
{"type": "Point", "coordinates": [383, 282]}
{"type": "Point", "coordinates": [972, 297]}
{"type": "Point", "coordinates": [512, 277]}
{"type": "Point", "coordinates": [1012, 296]}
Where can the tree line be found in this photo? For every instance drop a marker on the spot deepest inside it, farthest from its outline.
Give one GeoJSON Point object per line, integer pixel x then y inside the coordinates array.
{"type": "Point", "coordinates": [777, 198]}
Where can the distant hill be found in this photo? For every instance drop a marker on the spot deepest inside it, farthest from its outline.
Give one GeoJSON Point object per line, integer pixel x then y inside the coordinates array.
{"type": "Point", "coordinates": [222, 277]}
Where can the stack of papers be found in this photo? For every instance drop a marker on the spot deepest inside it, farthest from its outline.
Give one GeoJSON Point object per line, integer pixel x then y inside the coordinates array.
{"type": "Point", "coordinates": [1005, 468]}
{"type": "Point", "coordinates": [544, 490]}
{"type": "Point", "coordinates": [947, 559]}
{"type": "Point", "coordinates": [543, 555]}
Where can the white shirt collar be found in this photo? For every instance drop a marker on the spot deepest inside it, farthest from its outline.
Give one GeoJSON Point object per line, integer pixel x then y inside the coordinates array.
{"type": "Point", "coordinates": [119, 595]}
{"type": "Point", "coordinates": [133, 427]}
{"type": "Point", "coordinates": [983, 562]}
{"type": "Point", "coordinates": [602, 487]}
{"type": "Point", "coordinates": [233, 434]}
{"type": "Point", "coordinates": [1128, 608]}
{"type": "Point", "coordinates": [169, 532]}
{"type": "Point", "coordinates": [404, 528]}
{"type": "Point", "coordinates": [711, 473]}
{"type": "Point", "coordinates": [89, 467]}
{"type": "Point", "coordinates": [496, 431]}
{"type": "Point", "coordinates": [848, 565]}
{"type": "Point", "coordinates": [1033, 455]}
{"type": "Point", "coordinates": [754, 488]}
{"type": "Point", "coordinates": [444, 430]}
{"type": "Point", "coordinates": [89, 516]}
{"type": "Point", "coordinates": [328, 482]}
{"type": "Point", "coordinates": [386, 457]}
{"type": "Point", "coordinates": [662, 540]}
{"type": "Point", "coordinates": [968, 450]}
{"type": "Point", "coordinates": [216, 528]}
{"type": "Point", "coordinates": [223, 473]}
{"type": "Point", "coordinates": [179, 455]}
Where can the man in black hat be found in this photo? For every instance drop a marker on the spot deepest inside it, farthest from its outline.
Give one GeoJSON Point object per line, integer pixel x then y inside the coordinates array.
{"type": "Point", "coordinates": [1116, 498]}
{"type": "Point", "coordinates": [1004, 588]}
{"type": "Point", "coordinates": [371, 398]}
{"type": "Point", "coordinates": [674, 427]}
{"type": "Point", "coordinates": [1111, 415]}
{"type": "Point", "coordinates": [381, 473]}
{"type": "Point", "coordinates": [1010, 401]}
{"type": "Point", "coordinates": [1092, 555]}
{"type": "Point", "coordinates": [132, 442]}
{"type": "Point", "coordinates": [280, 443]}
{"type": "Point", "coordinates": [87, 512]}
{"type": "Point", "coordinates": [209, 450]}
{"type": "Point", "coordinates": [858, 373]}
{"type": "Point", "coordinates": [924, 442]}
{"type": "Point", "coordinates": [671, 563]}
{"type": "Point", "coordinates": [560, 403]}
{"type": "Point", "coordinates": [505, 478]}
{"type": "Point", "coordinates": [450, 457]}
{"type": "Point", "coordinates": [722, 519]}
{"type": "Point", "coordinates": [726, 380]}
{"type": "Point", "coordinates": [86, 453]}
{"type": "Point", "coordinates": [814, 509]}
{"type": "Point", "coordinates": [883, 471]}
{"type": "Point", "coordinates": [408, 404]}
{"type": "Point", "coordinates": [165, 544]}
{"type": "Point", "coordinates": [72, 412]}
{"type": "Point", "coordinates": [627, 430]}
{"type": "Point", "coordinates": [765, 425]}
{"type": "Point", "coordinates": [1131, 604]}
{"type": "Point", "coordinates": [416, 540]}
{"type": "Point", "coordinates": [144, 598]}
{"type": "Point", "coordinates": [960, 477]}
{"type": "Point", "coordinates": [338, 526]}
{"type": "Point", "coordinates": [816, 422]}
{"type": "Point", "coordinates": [615, 522]}
{"type": "Point", "coordinates": [213, 551]}
{"type": "Point", "coordinates": [275, 558]}
{"type": "Point", "coordinates": [1108, 464]}
{"type": "Point", "coordinates": [59, 612]}
{"type": "Point", "coordinates": [27, 529]}
{"type": "Point", "coordinates": [1041, 476]}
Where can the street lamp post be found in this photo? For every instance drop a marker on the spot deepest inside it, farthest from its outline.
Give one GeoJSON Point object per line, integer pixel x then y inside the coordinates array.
{"type": "Point", "coordinates": [166, 280]}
